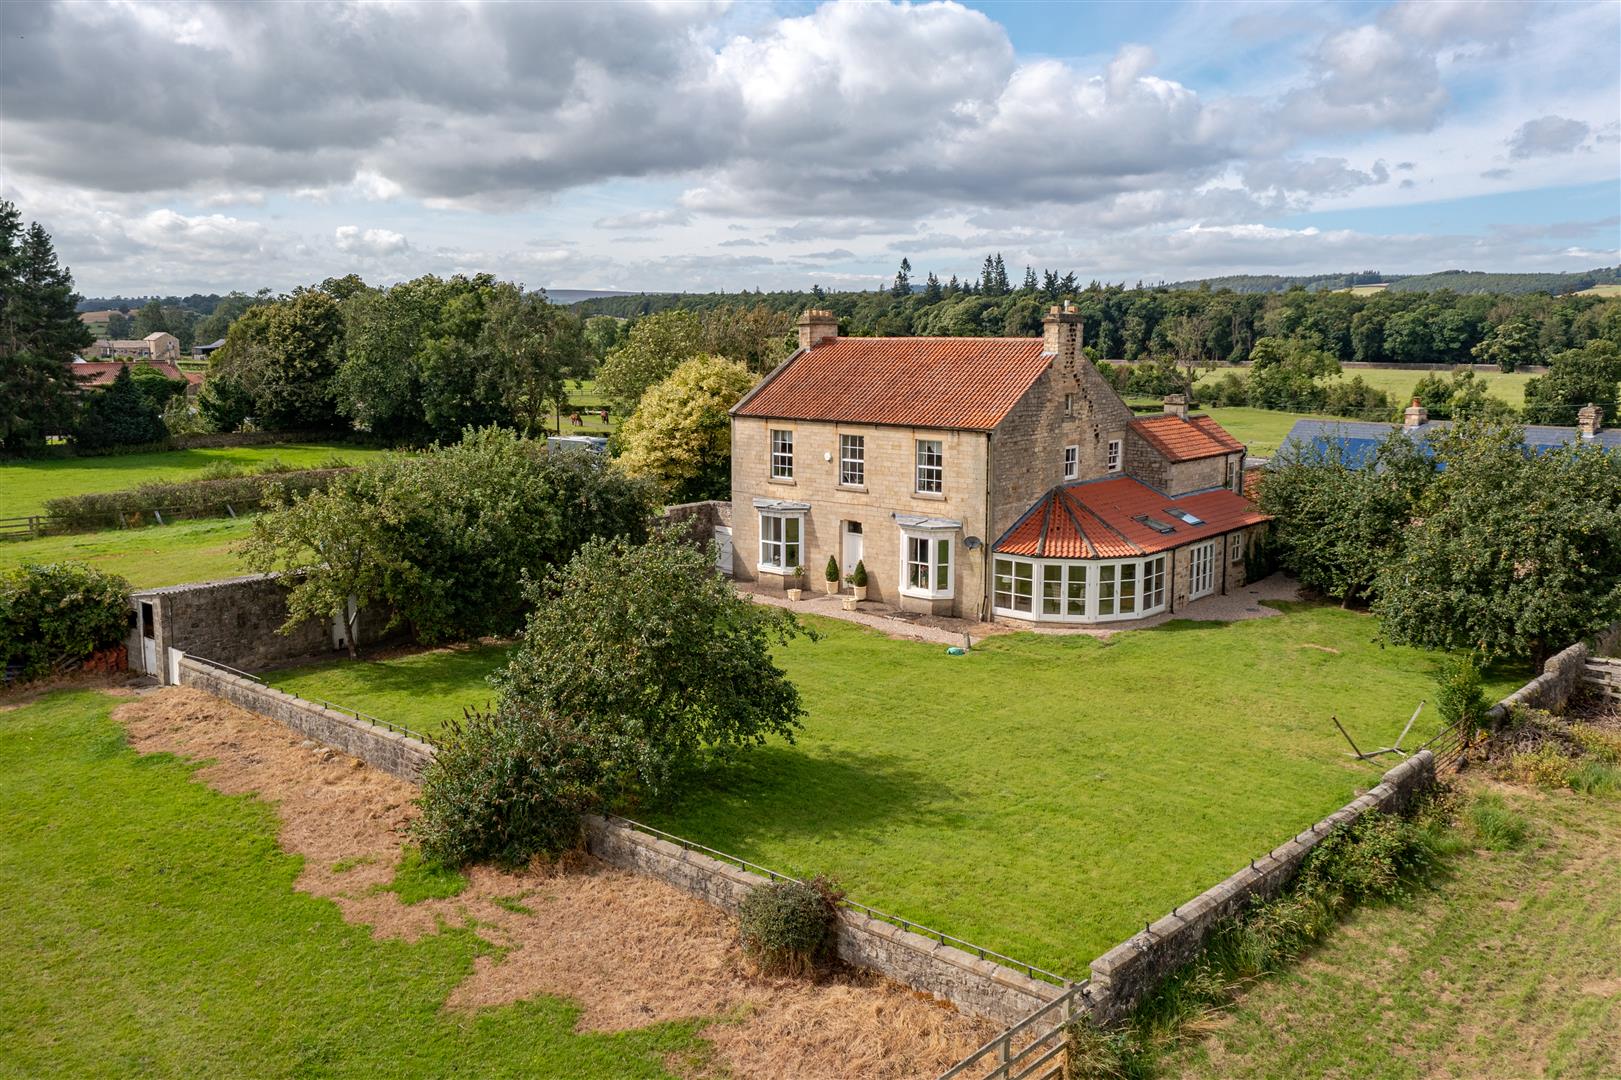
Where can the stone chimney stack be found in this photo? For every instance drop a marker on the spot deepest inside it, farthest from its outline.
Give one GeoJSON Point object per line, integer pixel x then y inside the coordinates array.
{"type": "Point", "coordinates": [1176, 405]}
{"type": "Point", "coordinates": [817, 325]}
{"type": "Point", "coordinates": [1589, 419]}
{"type": "Point", "coordinates": [1416, 416]}
{"type": "Point", "coordinates": [1061, 336]}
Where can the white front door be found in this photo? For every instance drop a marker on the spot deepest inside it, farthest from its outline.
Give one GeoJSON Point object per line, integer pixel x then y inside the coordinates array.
{"type": "Point", "coordinates": [1202, 570]}
{"type": "Point", "coordinates": [723, 549]}
{"type": "Point", "coordinates": [852, 548]}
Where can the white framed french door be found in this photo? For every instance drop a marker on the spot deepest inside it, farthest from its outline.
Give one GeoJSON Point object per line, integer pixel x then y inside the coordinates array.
{"type": "Point", "coordinates": [1201, 569]}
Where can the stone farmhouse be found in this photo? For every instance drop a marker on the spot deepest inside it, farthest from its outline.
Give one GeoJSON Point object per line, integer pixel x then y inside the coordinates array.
{"type": "Point", "coordinates": [983, 478]}
{"type": "Point", "coordinates": [157, 346]}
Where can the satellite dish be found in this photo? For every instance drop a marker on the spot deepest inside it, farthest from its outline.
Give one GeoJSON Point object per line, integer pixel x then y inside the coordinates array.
{"type": "Point", "coordinates": [972, 543]}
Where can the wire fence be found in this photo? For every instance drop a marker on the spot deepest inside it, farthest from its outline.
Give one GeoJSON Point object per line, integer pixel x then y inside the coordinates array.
{"type": "Point", "coordinates": [1030, 970]}
{"type": "Point", "coordinates": [35, 526]}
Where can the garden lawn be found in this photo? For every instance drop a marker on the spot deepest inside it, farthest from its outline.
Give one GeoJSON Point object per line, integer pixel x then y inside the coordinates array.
{"type": "Point", "coordinates": [157, 555]}
{"type": "Point", "coordinates": [25, 485]}
{"type": "Point", "coordinates": [149, 926]}
{"type": "Point", "coordinates": [1510, 967]}
{"type": "Point", "coordinates": [1261, 430]}
{"type": "Point", "coordinates": [1043, 796]}
{"type": "Point", "coordinates": [420, 690]}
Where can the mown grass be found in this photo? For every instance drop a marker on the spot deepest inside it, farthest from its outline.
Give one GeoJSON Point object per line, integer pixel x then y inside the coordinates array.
{"type": "Point", "coordinates": [1261, 430]}
{"type": "Point", "coordinates": [25, 485]}
{"type": "Point", "coordinates": [1399, 384]}
{"type": "Point", "coordinates": [158, 555]}
{"type": "Point", "coordinates": [1511, 967]}
{"type": "Point", "coordinates": [1043, 796]}
{"type": "Point", "coordinates": [149, 927]}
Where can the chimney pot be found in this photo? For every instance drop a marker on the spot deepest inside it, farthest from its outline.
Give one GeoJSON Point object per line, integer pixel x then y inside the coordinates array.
{"type": "Point", "coordinates": [1416, 416]}
{"type": "Point", "coordinates": [1176, 405]}
{"type": "Point", "coordinates": [817, 325]}
{"type": "Point", "coordinates": [1588, 420]}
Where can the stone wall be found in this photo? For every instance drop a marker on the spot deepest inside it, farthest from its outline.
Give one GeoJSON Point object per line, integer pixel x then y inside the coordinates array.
{"type": "Point", "coordinates": [237, 622]}
{"type": "Point", "coordinates": [700, 518]}
{"type": "Point", "coordinates": [388, 750]}
{"type": "Point", "coordinates": [1129, 972]}
{"type": "Point", "coordinates": [979, 987]}
{"type": "Point", "coordinates": [1560, 677]}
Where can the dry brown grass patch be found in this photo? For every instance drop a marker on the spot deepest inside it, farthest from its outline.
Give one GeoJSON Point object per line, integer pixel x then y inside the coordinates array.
{"type": "Point", "coordinates": [630, 950]}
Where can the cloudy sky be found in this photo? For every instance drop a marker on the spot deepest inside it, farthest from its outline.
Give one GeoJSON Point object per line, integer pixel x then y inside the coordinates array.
{"type": "Point", "coordinates": [177, 147]}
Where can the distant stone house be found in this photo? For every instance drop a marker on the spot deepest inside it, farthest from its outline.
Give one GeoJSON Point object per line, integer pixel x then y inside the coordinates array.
{"type": "Point", "coordinates": [158, 346]}
{"type": "Point", "coordinates": [982, 478]}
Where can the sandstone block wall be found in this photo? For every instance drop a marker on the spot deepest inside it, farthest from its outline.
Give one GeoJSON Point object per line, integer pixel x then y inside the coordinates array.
{"type": "Point", "coordinates": [390, 751]}
{"type": "Point", "coordinates": [1129, 972]}
{"type": "Point", "coordinates": [237, 622]}
{"type": "Point", "coordinates": [980, 987]}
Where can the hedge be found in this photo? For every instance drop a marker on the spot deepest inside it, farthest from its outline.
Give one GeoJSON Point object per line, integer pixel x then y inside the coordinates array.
{"type": "Point", "coordinates": [190, 497]}
{"type": "Point", "coordinates": [54, 615]}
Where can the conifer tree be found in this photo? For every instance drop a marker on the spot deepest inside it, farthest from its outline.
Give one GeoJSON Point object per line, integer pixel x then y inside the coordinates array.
{"type": "Point", "coordinates": [39, 333]}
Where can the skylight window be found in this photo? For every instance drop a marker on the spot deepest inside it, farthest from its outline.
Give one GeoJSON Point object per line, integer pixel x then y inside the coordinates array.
{"type": "Point", "coordinates": [1183, 515]}
{"type": "Point", "coordinates": [1155, 523]}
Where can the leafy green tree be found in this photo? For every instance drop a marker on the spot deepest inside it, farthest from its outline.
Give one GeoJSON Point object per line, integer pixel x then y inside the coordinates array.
{"type": "Point", "coordinates": [1510, 345]}
{"type": "Point", "coordinates": [602, 334]}
{"type": "Point", "coordinates": [1587, 376]}
{"type": "Point", "coordinates": [449, 535]}
{"type": "Point", "coordinates": [119, 415]}
{"type": "Point", "coordinates": [680, 436]}
{"type": "Point", "coordinates": [39, 334]}
{"type": "Point", "coordinates": [529, 349]}
{"type": "Point", "coordinates": [1338, 519]}
{"type": "Point", "coordinates": [1288, 374]}
{"type": "Point", "coordinates": [151, 319]}
{"type": "Point", "coordinates": [120, 327]}
{"type": "Point", "coordinates": [1507, 553]}
{"type": "Point", "coordinates": [757, 337]}
{"type": "Point", "coordinates": [645, 650]}
{"type": "Point", "coordinates": [284, 355]}
{"type": "Point", "coordinates": [654, 347]}
{"type": "Point", "coordinates": [57, 613]}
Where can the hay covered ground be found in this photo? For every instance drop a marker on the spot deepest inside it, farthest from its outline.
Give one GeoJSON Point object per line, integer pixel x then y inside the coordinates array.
{"type": "Point", "coordinates": [259, 913]}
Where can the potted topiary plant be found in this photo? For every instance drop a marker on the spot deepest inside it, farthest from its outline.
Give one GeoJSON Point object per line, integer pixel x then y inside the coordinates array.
{"type": "Point", "coordinates": [858, 580]}
{"type": "Point", "coordinates": [796, 583]}
{"type": "Point", "coordinates": [831, 575]}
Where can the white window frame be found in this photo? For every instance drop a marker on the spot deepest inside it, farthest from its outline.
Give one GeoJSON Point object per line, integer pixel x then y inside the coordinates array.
{"type": "Point", "coordinates": [929, 478]}
{"type": "Point", "coordinates": [1079, 591]}
{"type": "Point", "coordinates": [1235, 548]}
{"type": "Point", "coordinates": [782, 453]}
{"type": "Point", "coordinates": [1069, 404]}
{"type": "Point", "coordinates": [938, 563]}
{"type": "Point", "coordinates": [1115, 455]}
{"type": "Point", "coordinates": [787, 522]}
{"type": "Point", "coordinates": [852, 466]}
{"type": "Point", "coordinates": [1072, 463]}
{"type": "Point", "coordinates": [1202, 565]}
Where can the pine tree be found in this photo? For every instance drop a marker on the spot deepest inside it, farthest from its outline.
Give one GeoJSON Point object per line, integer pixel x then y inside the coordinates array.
{"type": "Point", "coordinates": [1030, 285]}
{"type": "Point", "coordinates": [932, 293]}
{"type": "Point", "coordinates": [1067, 285]}
{"type": "Point", "coordinates": [999, 281]}
{"type": "Point", "coordinates": [39, 333]}
{"type": "Point", "coordinates": [1049, 286]}
{"type": "Point", "coordinates": [953, 287]}
{"type": "Point", "coordinates": [987, 276]}
{"type": "Point", "coordinates": [120, 415]}
{"type": "Point", "coordinates": [903, 280]}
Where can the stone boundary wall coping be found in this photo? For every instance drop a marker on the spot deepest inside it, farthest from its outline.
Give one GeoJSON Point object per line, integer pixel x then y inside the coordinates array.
{"type": "Point", "coordinates": [394, 753]}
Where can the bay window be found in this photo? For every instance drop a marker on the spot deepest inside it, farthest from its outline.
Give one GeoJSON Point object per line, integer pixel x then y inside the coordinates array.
{"type": "Point", "coordinates": [926, 564]}
{"type": "Point", "coordinates": [781, 541]}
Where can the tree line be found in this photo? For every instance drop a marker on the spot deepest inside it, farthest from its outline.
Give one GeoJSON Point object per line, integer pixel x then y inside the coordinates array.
{"type": "Point", "coordinates": [1210, 325]}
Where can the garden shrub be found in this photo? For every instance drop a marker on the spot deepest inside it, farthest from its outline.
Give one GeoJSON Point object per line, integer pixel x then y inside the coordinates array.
{"type": "Point", "coordinates": [787, 927]}
{"type": "Point", "coordinates": [1601, 744]}
{"type": "Point", "coordinates": [54, 614]}
{"type": "Point", "coordinates": [1545, 767]}
{"type": "Point", "coordinates": [506, 788]}
{"type": "Point", "coordinates": [1460, 695]}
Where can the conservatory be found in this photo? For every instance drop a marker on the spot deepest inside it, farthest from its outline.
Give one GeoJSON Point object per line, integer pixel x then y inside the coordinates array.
{"type": "Point", "coordinates": [1116, 549]}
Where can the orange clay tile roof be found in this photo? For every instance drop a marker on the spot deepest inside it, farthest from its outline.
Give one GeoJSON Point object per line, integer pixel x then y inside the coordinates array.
{"type": "Point", "coordinates": [963, 383]}
{"type": "Point", "coordinates": [1186, 440]}
{"type": "Point", "coordinates": [97, 373]}
{"type": "Point", "coordinates": [1097, 520]}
